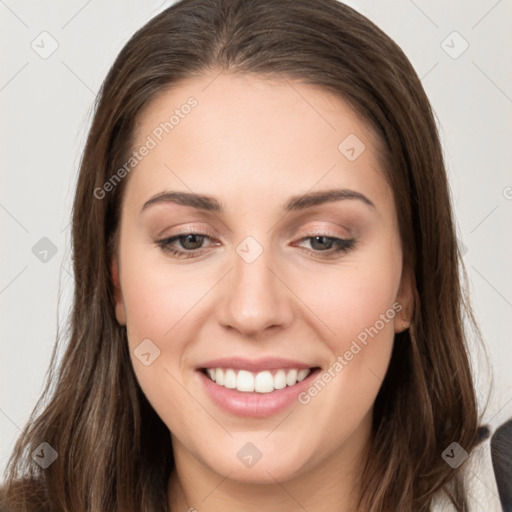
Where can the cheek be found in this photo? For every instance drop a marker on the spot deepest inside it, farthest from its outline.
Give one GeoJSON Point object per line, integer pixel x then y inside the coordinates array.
{"type": "Point", "coordinates": [161, 306]}
{"type": "Point", "coordinates": [157, 296]}
{"type": "Point", "coordinates": [353, 298]}
{"type": "Point", "coordinates": [358, 303]}
{"type": "Point", "coordinates": [160, 303]}
{"type": "Point", "coordinates": [355, 306]}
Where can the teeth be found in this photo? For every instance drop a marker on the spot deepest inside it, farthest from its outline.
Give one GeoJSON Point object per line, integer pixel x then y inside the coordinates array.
{"type": "Point", "coordinates": [230, 379]}
{"type": "Point", "coordinates": [244, 381]}
{"type": "Point", "coordinates": [291, 377]}
{"type": "Point", "coordinates": [261, 382]}
{"type": "Point", "coordinates": [302, 374]}
{"type": "Point", "coordinates": [280, 379]}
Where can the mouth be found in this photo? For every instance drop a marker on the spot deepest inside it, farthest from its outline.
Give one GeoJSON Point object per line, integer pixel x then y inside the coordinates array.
{"type": "Point", "coordinates": [255, 388]}
{"type": "Point", "coordinates": [266, 381]}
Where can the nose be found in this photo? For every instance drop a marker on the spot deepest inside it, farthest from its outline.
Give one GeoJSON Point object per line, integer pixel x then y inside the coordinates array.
{"type": "Point", "coordinates": [255, 297]}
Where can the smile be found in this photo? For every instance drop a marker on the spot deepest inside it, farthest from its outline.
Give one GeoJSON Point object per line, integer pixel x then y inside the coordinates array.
{"type": "Point", "coordinates": [260, 382]}
{"type": "Point", "coordinates": [255, 394]}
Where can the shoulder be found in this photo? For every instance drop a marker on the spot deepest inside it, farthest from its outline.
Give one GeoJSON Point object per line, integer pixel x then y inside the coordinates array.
{"type": "Point", "coordinates": [481, 487]}
{"type": "Point", "coordinates": [482, 480]}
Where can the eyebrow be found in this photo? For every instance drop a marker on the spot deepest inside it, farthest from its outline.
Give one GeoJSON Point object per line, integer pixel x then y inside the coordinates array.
{"type": "Point", "coordinates": [300, 202]}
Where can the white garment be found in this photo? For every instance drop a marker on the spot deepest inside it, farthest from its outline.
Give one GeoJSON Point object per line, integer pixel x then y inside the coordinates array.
{"type": "Point", "coordinates": [481, 483]}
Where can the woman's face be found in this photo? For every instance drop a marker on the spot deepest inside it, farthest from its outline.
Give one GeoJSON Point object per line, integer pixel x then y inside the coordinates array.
{"type": "Point", "coordinates": [268, 272]}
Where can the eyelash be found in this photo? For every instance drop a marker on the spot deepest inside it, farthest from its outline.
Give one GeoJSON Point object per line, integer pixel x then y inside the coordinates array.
{"type": "Point", "coordinates": [341, 245]}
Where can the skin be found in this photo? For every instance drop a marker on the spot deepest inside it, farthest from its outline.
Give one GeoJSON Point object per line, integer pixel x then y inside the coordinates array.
{"type": "Point", "coordinates": [253, 143]}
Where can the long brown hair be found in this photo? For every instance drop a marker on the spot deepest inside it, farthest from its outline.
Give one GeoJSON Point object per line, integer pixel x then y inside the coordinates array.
{"type": "Point", "coordinates": [114, 452]}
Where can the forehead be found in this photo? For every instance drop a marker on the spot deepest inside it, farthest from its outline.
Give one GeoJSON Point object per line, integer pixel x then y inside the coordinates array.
{"type": "Point", "coordinates": [248, 134]}
{"type": "Point", "coordinates": [226, 102]}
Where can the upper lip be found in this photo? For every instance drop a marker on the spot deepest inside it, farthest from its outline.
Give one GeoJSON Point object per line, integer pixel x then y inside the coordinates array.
{"type": "Point", "coordinates": [255, 365]}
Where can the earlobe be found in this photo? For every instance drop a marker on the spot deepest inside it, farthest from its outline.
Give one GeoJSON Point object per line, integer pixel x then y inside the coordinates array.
{"type": "Point", "coordinates": [406, 298]}
{"type": "Point", "coordinates": [118, 296]}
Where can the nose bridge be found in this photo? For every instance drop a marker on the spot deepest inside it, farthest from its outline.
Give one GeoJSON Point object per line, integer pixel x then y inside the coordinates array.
{"type": "Point", "coordinates": [254, 297]}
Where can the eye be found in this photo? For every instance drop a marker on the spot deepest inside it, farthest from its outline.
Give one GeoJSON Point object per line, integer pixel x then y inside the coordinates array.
{"type": "Point", "coordinates": [330, 245]}
{"type": "Point", "coordinates": [323, 245]}
{"type": "Point", "coordinates": [191, 243]}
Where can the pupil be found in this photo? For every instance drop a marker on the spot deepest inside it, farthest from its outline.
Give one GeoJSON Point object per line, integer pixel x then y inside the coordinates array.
{"type": "Point", "coordinates": [192, 238]}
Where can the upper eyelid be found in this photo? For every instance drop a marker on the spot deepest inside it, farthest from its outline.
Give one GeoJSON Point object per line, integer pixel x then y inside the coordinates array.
{"type": "Point", "coordinates": [328, 230]}
{"type": "Point", "coordinates": [302, 234]}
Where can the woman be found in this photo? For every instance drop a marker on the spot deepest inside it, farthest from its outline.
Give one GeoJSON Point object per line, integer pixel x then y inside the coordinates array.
{"type": "Point", "coordinates": [267, 310]}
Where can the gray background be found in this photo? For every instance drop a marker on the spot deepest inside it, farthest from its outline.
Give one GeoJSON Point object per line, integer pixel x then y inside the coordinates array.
{"type": "Point", "coordinates": [46, 104]}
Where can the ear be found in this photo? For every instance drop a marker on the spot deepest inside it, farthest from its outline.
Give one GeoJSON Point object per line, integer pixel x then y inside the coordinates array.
{"type": "Point", "coordinates": [118, 296]}
{"type": "Point", "coordinates": [406, 298]}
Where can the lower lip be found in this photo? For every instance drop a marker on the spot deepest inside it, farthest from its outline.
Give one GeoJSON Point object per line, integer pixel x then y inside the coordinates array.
{"type": "Point", "coordinates": [255, 405]}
